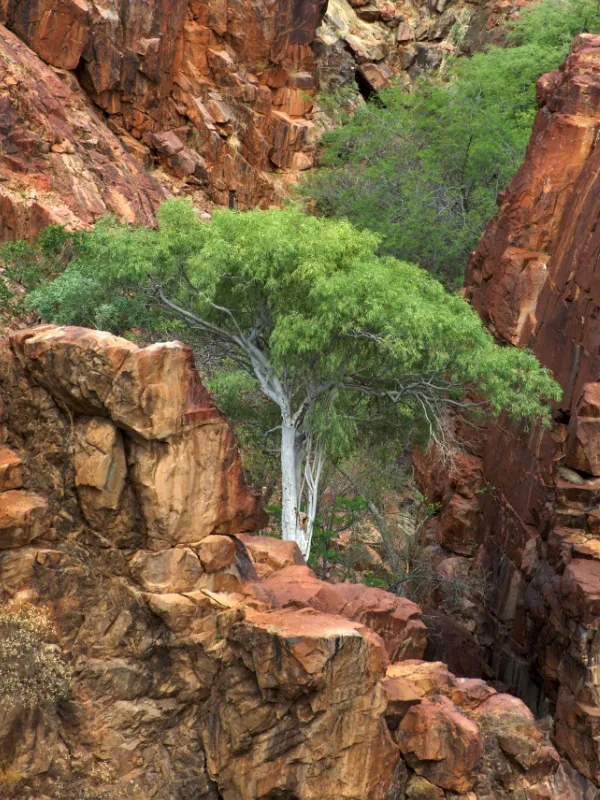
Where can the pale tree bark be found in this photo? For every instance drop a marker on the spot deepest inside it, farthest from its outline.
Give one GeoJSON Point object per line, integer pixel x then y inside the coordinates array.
{"type": "Point", "coordinates": [289, 483]}
{"type": "Point", "coordinates": [301, 466]}
{"type": "Point", "coordinates": [301, 456]}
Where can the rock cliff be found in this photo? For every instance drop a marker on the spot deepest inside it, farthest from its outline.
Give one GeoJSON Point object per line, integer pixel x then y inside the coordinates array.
{"type": "Point", "coordinates": [206, 662]}
{"type": "Point", "coordinates": [526, 502]}
{"type": "Point", "coordinates": [109, 107]}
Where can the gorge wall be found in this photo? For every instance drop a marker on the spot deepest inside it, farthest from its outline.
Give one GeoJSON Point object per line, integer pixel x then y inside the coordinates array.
{"type": "Point", "coordinates": [206, 663]}
{"type": "Point", "coordinates": [525, 504]}
{"type": "Point", "coordinates": [109, 107]}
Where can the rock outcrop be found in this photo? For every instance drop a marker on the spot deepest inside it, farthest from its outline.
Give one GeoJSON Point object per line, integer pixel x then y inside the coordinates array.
{"type": "Point", "coordinates": [108, 107]}
{"type": "Point", "coordinates": [122, 518]}
{"type": "Point", "coordinates": [526, 502]}
{"type": "Point", "coordinates": [216, 95]}
{"type": "Point", "coordinates": [396, 619]}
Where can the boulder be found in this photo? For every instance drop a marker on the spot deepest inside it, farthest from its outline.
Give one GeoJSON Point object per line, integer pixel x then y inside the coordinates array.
{"type": "Point", "coordinates": [178, 441]}
{"type": "Point", "coordinates": [216, 553]}
{"type": "Point", "coordinates": [406, 683]}
{"type": "Point", "coordinates": [580, 589]}
{"type": "Point", "coordinates": [441, 744]}
{"type": "Point", "coordinates": [395, 619]}
{"type": "Point", "coordinates": [152, 392]}
{"type": "Point", "coordinates": [23, 518]}
{"type": "Point", "coordinates": [294, 660]}
{"type": "Point", "coordinates": [269, 554]}
{"type": "Point", "coordinates": [375, 76]}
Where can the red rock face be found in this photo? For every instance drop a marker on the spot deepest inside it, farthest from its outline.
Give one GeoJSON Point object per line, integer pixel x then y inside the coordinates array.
{"type": "Point", "coordinates": [212, 98]}
{"type": "Point", "coordinates": [121, 506]}
{"type": "Point", "coordinates": [59, 163]}
{"type": "Point", "coordinates": [219, 93]}
{"type": "Point", "coordinates": [534, 280]}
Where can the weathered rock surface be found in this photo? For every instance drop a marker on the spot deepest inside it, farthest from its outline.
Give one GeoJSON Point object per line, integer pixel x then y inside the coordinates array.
{"type": "Point", "coordinates": [215, 94]}
{"type": "Point", "coordinates": [395, 619]}
{"type": "Point", "coordinates": [182, 462]}
{"type": "Point", "coordinates": [191, 678]}
{"type": "Point", "coordinates": [534, 280]}
{"type": "Point", "coordinates": [300, 711]}
{"type": "Point", "coordinates": [59, 162]}
{"type": "Point", "coordinates": [109, 107]}
{"type": "Point", "coordinates": [463, 739]}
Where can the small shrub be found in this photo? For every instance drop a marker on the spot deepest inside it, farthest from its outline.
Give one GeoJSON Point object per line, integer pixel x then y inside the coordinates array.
{"type": "Point", "coordinates": [421, 582]}
{"type": "Point", "coordinates": [32, 672]}
{"type": "Point", "coordinates": [11, 775]}
{"type": "Point", "coordinates": [374, 582]}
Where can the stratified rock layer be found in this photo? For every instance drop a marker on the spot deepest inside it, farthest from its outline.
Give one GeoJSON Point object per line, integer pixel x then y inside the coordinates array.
{"type": "Point", "coordinates": [531, 499]}
{"type": "Point", "coordinates": [122, 507]}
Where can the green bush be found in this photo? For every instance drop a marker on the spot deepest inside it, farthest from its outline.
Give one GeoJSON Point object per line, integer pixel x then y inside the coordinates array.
{"type": "Point", "coordinates": [423, 169]}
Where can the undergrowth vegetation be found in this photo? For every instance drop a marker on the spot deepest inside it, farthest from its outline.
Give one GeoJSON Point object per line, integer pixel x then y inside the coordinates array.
{"type": "Point", "coordinates": [32, 671]}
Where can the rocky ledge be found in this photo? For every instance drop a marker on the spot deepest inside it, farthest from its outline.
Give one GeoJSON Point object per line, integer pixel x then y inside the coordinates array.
{"type": "Point", "coordinates": [207, 662]}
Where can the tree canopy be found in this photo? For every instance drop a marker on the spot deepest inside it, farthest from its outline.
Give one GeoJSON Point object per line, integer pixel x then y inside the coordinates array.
{"type": "Point", "coordinates": [423, 169]}
{"type": "Point", "coordinates": [333, 334]}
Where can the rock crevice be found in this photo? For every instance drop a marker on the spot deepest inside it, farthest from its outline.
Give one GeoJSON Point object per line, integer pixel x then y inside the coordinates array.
{"type": "Point", "coordinates": [532, 521]}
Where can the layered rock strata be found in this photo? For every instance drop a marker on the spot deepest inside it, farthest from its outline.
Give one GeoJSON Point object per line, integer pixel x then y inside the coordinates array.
{"type": "Point", "coordinates": [205, 662]}
{"type": "Point", "coordinates": [526, 503]}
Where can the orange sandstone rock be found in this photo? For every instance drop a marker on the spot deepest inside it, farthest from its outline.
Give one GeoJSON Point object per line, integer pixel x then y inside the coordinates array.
{"type": "Point", "coordinates": [185, 681]}
{"type": "Point", "coordinates": [395, 619]}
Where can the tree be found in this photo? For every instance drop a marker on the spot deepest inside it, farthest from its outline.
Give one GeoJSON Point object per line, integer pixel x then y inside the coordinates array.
{"type": "Point", "coordinates": [333, 335]}
{"type": "Point", "coordinates": [423, 169]}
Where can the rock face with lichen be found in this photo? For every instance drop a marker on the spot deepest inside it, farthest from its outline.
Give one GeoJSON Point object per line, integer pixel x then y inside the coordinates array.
{"type": "Point", "coordinates": [526, 503]}
{"type": "Point", "coordinates": [207, 662]}
{"type": "Point", "coordinates": [108, 107]}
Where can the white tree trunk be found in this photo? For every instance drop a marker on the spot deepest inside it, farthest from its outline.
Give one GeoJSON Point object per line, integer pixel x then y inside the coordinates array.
{"type": "Point", "coordinates": [300, 474]}
{"type": "Point", "coordinates": [313, 465]}
{"type": "Point", "coordinates": [289, 482]}
{"type": "Point", "coordinates": [300, 465]}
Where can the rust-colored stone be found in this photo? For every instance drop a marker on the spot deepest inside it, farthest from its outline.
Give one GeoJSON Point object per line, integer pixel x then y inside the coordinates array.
{"type": "Point", "coordinates": [441, 744]}
{"type": "Point", "coordinates": [187, 672]}
{"type": "Point", "coordinates": [60, 163]}
{"type": "Point", "coordinates": [533, 278]}
{"type": "Point", "coordinates": [395, 619]}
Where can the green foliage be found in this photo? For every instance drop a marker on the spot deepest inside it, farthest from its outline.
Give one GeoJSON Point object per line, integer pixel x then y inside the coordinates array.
{"type": "Point", "coordinates": [110, 301]}
{"type": "Point", "coordinates": [255, 422]}
{"type": "Point", "coordinates": [423, 169]}
{"type": "Point", "coordinates": [317, 300]}
{"type": "Point", "coordinates": [374, 581]}
{"type": "Point", "coordinates": [340, 514]}
{"type": "Point", "coordinates": [26, 265]}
